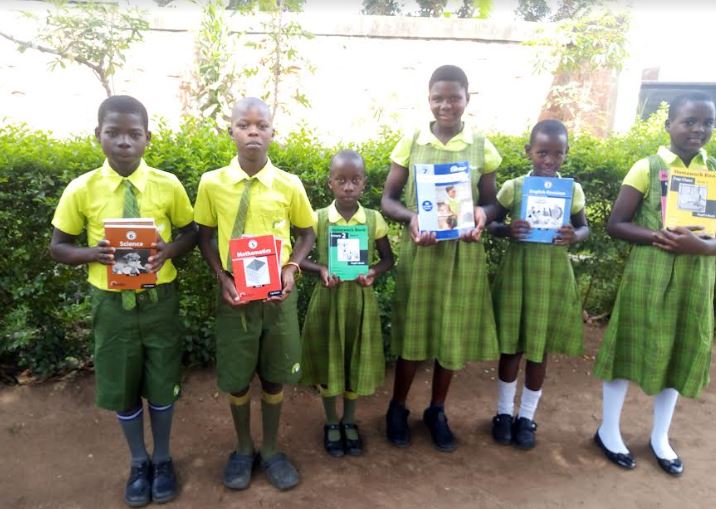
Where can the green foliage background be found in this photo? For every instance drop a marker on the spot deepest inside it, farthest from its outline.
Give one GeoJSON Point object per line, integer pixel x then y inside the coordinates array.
{"type": "Point", "coordinates": [45, 326]}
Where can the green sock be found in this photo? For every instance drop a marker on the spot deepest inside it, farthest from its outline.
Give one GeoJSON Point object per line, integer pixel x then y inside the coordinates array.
{"type": "Point", "coordinates": [270, 416]}
{"type": "Point", "coordinates": [329, 405]}
{"type": "Point", "coordinates": [350, 401]}
{"type": "Point", "coordinates": [241, 412]}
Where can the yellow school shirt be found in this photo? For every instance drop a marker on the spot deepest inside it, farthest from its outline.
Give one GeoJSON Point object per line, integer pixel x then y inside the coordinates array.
{"type": "Point", "coordinates": [638, 175]}
{"type": "Point", "coordinates": [99, 194]}
{"type": "Point", "coordinates": [335, 217]}
{"type": "Point", "coordinates": [506, 195]}
{"type": "Point", "coordinates": [277, 201]}
{"type": "Point", "coordinates": [401, 152]}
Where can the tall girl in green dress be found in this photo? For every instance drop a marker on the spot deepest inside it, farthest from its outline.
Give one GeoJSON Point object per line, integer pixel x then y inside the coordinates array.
{"type": "Point", "coordinates": [537, 306]}
{"type": "Point", "coordinates": [443, 309]}
{"type": "Point", "coordinates": [661, 329]}
{"type": "Point", "coordinates": [342, 340]}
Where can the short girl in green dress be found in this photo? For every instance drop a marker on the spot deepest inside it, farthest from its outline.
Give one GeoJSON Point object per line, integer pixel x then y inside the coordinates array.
{"type": "Point", "coordinates": [342, 339]}
{"type": "Point", "coordinates": [442, 309]}
{"type": "Point", "coordinates": [537, 306]}
{"type": "Point", "coordinates": [661, 330]}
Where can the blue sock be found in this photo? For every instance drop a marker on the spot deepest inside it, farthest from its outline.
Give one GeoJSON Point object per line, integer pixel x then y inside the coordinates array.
{"type": "Point", "coordinates": [161, 417]}
{"type": "Point", "coordinates": [132, 424]}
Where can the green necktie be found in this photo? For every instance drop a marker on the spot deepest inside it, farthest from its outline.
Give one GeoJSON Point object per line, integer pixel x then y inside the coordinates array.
{"type": "Point", "coordinates": [131, 206]}
{"type": "Point", "coordinates": [241, 214]}
{"type": "Point", "coordinates": [131, 209]}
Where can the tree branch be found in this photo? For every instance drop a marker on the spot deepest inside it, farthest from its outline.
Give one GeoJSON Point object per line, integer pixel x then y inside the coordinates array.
{"type": "Point", "coordinates": [52, 51]}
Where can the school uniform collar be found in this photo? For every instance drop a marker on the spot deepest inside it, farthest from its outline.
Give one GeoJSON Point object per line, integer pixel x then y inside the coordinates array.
{"type": "Point", "coordinates": [334, 216]}
{"type": "Point", "coordinates": [529, 174]}
{"type": "Point", "coordinates": [426, 136]}
{"type": "Point", "coordinates": [670, 158]}
{"type": "Point", "coordinates": [265, 175]}
{"type": "Point", "coordinates": [138, 178]}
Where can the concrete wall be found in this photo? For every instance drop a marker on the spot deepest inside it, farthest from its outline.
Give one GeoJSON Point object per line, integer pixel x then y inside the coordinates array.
{"type": "Point", "coordinates": [370, 71]}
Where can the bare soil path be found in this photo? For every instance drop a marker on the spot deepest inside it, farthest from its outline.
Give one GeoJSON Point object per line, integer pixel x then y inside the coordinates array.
{"type": "Point", "coordinates": [58, 451]}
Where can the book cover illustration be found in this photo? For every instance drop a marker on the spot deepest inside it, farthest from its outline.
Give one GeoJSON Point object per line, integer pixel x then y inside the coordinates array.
{"type": "Point", "coordinates": [348, 251]}
{"type": "Point", "coordinates": [132, 239]}
{"type": "Point", "coordinates": [255, 263]}
{"type": "Point", "coordinates": [444, 194]}
{"type": "Point", "coordinates": [546, 206]}
{"type": "Point", "coordinates": [691, 200]}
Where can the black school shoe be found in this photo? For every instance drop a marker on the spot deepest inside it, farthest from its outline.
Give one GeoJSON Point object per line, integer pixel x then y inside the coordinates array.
{"type": "Point", "coordinates": [164, 482]}
{"type": "Point", "coordinates": [333, 447]}
{"type": "Point", "coordinates": [502, 429]}
{"type": "Point", "coordinates": [436, 421]}
{"type": "Point", "coordinates": [523, 433]}
{"type": "Point", "coordinates": [352, 447]}
{"type": "Point", "coordinates": [138, 492]}
{"type": "Point", "coordinates": [673, 467]}
{"type": "Point", "coordinates": [396, 425]}
{"type": "Point", "coordinates": [625, 461]}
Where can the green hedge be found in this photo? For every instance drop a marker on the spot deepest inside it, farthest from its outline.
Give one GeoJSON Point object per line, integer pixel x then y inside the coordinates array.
{"type": "Point", "coordinates": [45, 326]}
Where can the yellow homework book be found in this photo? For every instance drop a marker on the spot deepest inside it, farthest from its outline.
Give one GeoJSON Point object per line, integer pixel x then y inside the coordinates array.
{"type": "Point", "coordinates": [691, 200]}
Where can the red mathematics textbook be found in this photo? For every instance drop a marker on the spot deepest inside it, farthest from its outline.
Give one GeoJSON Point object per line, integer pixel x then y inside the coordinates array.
{"type": "Point", "coordinates": [132, 239]}
{"type": "Point", "coordinates": [255, 262]}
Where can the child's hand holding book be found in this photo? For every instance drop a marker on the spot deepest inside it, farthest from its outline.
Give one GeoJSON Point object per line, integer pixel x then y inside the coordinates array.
{"type": "Point", "coordinates": [420, 238]}
{"type": "Point", "coordinates": [156, 261]}
{"type": "Point", "coordinates": [329, 280]}
{"type": "Point", "coordinates": [103, 253]}
{"type": "Point", "coordinates": [519, 229]}
{"type": "Point", "coordinates": [565, 236]}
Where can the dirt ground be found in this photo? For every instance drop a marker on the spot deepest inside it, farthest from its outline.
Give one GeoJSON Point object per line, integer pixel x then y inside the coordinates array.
{"type": "Point", "coordinates": [59, 451]}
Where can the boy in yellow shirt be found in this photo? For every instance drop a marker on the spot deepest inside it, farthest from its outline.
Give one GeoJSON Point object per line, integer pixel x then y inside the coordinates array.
{"type": "Point", "coordinates": [251, 196]}
{"type": "Point", "coordinates": [137, 335]}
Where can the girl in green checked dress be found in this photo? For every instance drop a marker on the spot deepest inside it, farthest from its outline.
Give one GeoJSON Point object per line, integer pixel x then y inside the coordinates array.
{"type": "Point", "coordinates": [661, 329]}
{"type": "Point", "coordinates": [537, 306]}
{"type": "Point", "coordinates": [342, 339]}
{"type": "Point", "coordinates": [442, 310]}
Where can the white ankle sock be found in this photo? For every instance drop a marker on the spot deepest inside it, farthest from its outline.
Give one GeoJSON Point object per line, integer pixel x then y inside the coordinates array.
{"type": "Point", "coordinates": [613, 394]}
{"type": "Point", "coordinates": [664, 405]}
{"type": "Point", "coordinates": [528, 403]}
{"type": "Point", "coordinates": [506, 397]}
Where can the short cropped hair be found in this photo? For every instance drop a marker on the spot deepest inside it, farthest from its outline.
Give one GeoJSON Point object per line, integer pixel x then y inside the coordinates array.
{"type": "Point", "coordinates": [550, 127]}
{"type": "Point", "coordinates": [122, 104]}
{"type": "Point", "coordinates": [680, 101]}
{"type": "Point", "coordinates": [448, 73]}
{"type": "Point", "coordinates": [348, 155]}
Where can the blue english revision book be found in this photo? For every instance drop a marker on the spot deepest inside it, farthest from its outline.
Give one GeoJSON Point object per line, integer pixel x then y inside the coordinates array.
{"type": "Point", "coordinates": [546, 206]}
{"type": "Point", "coordinates": [444, 194]}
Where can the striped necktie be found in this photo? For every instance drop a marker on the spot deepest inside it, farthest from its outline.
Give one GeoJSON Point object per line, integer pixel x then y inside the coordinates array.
{"type": "Point", "coordinates": [131, 209]}
{"type": "Point", "coordinates": [241, 215]}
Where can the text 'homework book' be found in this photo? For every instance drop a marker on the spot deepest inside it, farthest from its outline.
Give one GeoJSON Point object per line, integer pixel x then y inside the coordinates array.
{"type": "Point", "coordinates": [348, 251]}
{"type": "Point", "coordinates": [691, 200]}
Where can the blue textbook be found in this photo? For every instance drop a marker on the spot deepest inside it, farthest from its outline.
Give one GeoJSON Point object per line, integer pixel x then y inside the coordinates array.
{"type": "Point", "coordinates": [546, 206]}
{"type": "Point", "coordinates": [444, 194]}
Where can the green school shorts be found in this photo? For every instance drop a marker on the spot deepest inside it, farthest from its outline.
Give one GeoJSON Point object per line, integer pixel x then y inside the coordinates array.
{"type": "Point", "coordinates": [136, 353]}
{"type": "Point", "coordinates": [260, 337]}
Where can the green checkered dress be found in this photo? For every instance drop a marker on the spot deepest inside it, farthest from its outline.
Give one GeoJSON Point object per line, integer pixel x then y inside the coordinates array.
{"type": "Point", "coordinates": [537, 305]}
{"type": "Point", "coordinates": [443, 308]}
{"type": "Point", "coordinates": [661, 330]}
{"type": "Point", "coordinates": [342, 339]}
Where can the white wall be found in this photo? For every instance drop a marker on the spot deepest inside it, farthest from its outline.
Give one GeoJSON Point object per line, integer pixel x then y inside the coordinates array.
{"type": "Point", "coordinates": [369, 71]}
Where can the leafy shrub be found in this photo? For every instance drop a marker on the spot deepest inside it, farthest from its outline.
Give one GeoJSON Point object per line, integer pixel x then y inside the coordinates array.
{"type": "Point", "coordinates": [45, 325]}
